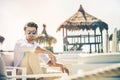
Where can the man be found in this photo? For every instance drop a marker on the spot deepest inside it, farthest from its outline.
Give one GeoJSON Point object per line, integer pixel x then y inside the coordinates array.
{"type": "Point", "coordinates": [27, 51]}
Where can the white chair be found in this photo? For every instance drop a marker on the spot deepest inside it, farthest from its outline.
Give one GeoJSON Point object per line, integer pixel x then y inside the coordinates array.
{"type": "Point", "coordinates": [13, 76]}
{"type": "Point", "coordinates": [11, 72]}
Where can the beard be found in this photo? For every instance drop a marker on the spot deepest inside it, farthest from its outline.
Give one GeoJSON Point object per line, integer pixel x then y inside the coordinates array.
{"type": "Point", "coordinates": [30, 39]}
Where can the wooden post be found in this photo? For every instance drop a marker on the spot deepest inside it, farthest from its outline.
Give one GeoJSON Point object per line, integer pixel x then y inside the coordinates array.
{"type": "Point", "coordinates": [89, 41]}
{"type": "Point", "coordinates": [101, 42]}
{"type": "Point", "coordinates": [64, 47]}
{"type": "Point", "coordinates": [95, 39]}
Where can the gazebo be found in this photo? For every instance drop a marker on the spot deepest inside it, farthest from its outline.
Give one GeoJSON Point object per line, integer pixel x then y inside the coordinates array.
{"type": "Point", "coordinates": [82, 21]}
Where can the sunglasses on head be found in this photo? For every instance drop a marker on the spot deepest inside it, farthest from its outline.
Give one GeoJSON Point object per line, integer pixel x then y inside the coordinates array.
{"type": "Point", "coordinates": [31, 32]}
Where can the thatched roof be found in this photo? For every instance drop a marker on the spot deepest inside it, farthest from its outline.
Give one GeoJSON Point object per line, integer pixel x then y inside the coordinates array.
{"type": "Point", "coordinates": [81, 20]}
{"type": "Point", "coordinates": [44, 37]}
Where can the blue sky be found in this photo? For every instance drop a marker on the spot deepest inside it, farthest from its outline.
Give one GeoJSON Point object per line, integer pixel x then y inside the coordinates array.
{"type": "Point", "coordinates": [15, 13]}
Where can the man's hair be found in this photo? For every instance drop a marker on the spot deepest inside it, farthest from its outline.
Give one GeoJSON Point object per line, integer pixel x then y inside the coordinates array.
{"type": "Point", "coordinates": [30, 24]}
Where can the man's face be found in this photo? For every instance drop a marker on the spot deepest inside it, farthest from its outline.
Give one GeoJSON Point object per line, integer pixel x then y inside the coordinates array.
{"type": "Point", "coordinates": [30, 33]}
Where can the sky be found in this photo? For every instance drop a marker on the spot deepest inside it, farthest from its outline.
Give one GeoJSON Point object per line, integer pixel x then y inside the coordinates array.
{"type": "Point", "coordinates": [14, 14]}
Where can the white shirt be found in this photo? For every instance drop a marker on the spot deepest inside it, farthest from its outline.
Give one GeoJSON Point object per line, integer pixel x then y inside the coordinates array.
{"type": "Point", "coordinates": [22, 47]}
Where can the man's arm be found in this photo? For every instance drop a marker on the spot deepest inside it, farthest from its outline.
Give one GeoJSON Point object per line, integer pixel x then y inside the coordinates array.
{"type": "Point", "coordinates": [39, 50]}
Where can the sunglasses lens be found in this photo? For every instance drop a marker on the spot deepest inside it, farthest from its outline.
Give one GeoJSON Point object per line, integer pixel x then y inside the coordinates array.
{"type": "Point", "coordinates": [33, 32]}
{"type": "Point", "coordinates": [28, 32]}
